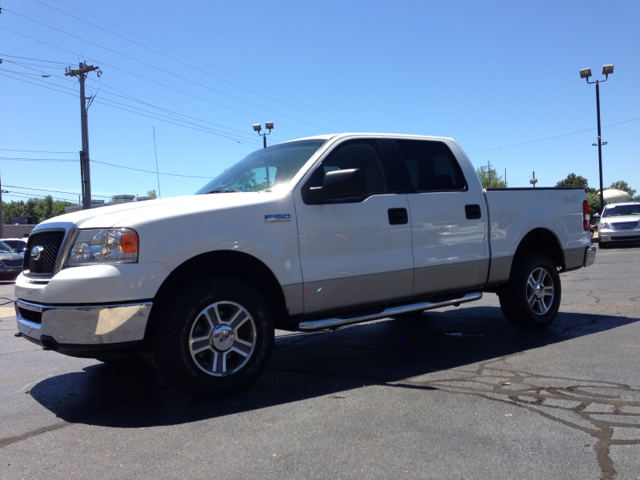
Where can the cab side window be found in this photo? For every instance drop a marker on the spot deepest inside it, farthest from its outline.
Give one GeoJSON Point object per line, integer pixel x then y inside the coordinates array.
{"type": "Point", "coordinates": [431, 166]}
{"type": "Point", "coordinates": [362, 154]}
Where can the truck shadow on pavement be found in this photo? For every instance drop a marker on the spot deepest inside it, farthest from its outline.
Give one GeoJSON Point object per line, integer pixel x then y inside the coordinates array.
{"type": "Point", "coordinates": [465, 351]}
{"type": "Point", "coordinates": [312, 365]}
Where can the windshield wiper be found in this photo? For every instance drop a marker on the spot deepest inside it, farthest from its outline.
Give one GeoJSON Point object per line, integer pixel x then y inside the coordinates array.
{"type": "Point", "coordinates": [224, 190]}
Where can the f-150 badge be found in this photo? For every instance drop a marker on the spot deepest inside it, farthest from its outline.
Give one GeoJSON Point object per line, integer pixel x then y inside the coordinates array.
{"type": "Point", "coordinates": [278, 217]}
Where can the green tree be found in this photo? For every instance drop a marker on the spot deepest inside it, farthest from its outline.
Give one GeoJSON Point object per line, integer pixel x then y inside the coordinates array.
{"type": "Point", "coordinates": [45, 208]}
{"type": "Point", "coordinates": [10, 210]}
{"type": "Point", "coordinates": [624, 186]}
{"type": "Point", "coordinates": [594, 201]}
{"type": "Point", "coordinates": [593, 195]}
{"type": "Point", "coordinates": [246, 182]}
{"type": "Point", "coordinates": [39, 209]}
{"type": "Point", "coordinates": [31, 210]}
{"type": "Point", "coordinates": [58, 207]}
{"type": "Point", "coordinates": [496, 181]}
{"type": "Point", "coordinates": [574, 180]}
{"type": "Point", "coordinates": [152, 194]}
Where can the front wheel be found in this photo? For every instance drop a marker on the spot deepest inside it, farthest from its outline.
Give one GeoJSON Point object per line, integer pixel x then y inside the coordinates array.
{"type": "Point", "coordinates": [531, 299]}
{"type": "Point", "coordinates": [215, 338]}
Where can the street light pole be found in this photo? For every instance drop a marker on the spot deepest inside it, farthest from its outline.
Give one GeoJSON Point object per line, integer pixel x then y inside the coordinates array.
{"type": "Point", "coordinates": [599, 144]}
{"type": "Point", "coordinates": [586, 73]}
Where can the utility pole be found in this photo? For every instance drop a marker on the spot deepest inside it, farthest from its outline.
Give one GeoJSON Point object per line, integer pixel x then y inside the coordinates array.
{"type": "Point", "coordinates": [81, 73]}
{"type": "Point", "coordinates": [489, 173]}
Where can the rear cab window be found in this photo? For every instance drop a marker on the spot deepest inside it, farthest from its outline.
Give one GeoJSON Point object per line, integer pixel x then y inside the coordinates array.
{"type": "Point", "coordinates": [431, 166]}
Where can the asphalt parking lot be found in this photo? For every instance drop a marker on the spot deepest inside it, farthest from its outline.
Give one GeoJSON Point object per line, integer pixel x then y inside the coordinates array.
{"type": "Point", "coordinates": [454, 393]}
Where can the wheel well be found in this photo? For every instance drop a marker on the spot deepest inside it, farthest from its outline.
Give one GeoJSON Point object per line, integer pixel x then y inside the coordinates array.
{"type": "Point", "coordinates": [543, 241]}
{"type": "Point", "coordinates": [224, 263]}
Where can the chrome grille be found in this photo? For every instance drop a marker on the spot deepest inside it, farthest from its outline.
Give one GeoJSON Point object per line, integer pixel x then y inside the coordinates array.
{"type": "Point", "coordinates": [12, 263]}
{"type": "Point", "coordinates": [625, 226]}
{"type": "Point", "coordinates": [50, 242]}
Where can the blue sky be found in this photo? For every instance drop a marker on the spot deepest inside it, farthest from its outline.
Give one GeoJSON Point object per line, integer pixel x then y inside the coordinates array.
{"type": "Point", "coordinates": [490, 74]}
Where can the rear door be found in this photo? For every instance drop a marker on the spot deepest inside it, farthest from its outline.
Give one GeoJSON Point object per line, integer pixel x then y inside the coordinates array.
{"type": "Point", "coordinates": [355, 252]}
{"type": "Point", "coordinates": [449, 219]}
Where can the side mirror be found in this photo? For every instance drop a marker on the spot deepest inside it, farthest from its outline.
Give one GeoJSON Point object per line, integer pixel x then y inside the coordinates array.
{"type": "Point", "coordinates": [340, 184]}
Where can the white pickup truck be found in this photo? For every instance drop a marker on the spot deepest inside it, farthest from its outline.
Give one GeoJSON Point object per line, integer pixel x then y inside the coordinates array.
{"type": "Point", "coordinates": [310, 234]}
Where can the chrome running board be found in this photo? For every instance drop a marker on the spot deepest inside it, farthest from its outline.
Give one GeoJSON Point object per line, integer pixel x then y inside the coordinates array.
{"type": "Point", "coordinates": [389, 312]}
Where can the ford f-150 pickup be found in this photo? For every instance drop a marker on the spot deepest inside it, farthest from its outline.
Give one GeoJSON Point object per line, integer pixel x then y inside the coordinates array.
{"type": "Point", "coordinates": [310, 234]}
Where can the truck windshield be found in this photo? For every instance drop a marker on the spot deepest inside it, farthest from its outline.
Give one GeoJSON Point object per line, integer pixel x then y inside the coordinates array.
{"type": "Point", "coordinates": [621, 210]}
{"type": "Point", "coordinates": [265, 169]}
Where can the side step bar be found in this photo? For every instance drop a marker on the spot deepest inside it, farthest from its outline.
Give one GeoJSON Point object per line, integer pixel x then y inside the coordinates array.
{"type": "Point", "coordinates": [389, 312]}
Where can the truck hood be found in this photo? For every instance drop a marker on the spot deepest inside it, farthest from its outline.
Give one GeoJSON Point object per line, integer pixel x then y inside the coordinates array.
{"type": "Point", "coordinates": [131, 214]}
{"type": "Point", "coordinates": [621, 219]}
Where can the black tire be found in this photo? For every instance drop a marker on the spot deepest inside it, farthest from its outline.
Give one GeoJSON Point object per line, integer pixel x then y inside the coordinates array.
{"type": "Point", "coordinates": [531, 298]}
{"type": "Point", "coordinates": [224, 358]}
{"type": "Point", "coordinates": [603, 245]}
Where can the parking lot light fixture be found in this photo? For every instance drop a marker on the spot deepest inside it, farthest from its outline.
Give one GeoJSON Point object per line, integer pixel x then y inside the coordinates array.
{"type": "Point", "coordinates": [586, 73]}
{"type": "Point", "coordinates": [267, 126]}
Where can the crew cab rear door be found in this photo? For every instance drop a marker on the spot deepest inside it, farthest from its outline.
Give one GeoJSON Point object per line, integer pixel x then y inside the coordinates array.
{"type": "Point", "coordinates": [448, 214]}
{"type": "Point", "coordinates": [354, 252]}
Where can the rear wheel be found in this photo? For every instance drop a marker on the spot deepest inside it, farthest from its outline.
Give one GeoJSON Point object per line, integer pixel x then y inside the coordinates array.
{"type": "Point", "coordinates": [215, 338]}
{"type": "Point", "coordinates": [532, 297]}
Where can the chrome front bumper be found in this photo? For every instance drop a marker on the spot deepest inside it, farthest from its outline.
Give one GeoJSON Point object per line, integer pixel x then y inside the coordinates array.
{"type": "Point", "coordinates": [590, 256]}
{"type": "Point", "coordinates": [606, 236]}
{"type": "Point", "coordinates": [93, 325]}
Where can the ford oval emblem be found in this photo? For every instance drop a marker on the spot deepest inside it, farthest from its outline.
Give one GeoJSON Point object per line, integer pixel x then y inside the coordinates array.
{"type": "Point", "coordinates": [36, 253]}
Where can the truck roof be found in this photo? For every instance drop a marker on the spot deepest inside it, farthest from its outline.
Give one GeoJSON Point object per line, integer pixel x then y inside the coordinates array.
{"type": "Point", "coordinates": [329, 136]}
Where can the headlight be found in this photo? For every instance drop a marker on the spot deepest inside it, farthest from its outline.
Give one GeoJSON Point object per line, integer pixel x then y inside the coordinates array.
{"type": "Point", "coordinates": [605, 226]}
{"type": "Point", "coordinates": [104, 246]}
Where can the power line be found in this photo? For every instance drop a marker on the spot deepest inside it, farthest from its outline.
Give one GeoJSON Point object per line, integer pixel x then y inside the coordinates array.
{"type": "Point", "coordinates": [53, 160]}
{"type": "Point", "coordinates": [202, 129]}
{"type": "Point", "coordinates": [199, 69]}
{"type": "Point", "coordinates": [556, 136]}
{"type": "Point", "coordinates": [150, 171]}
{"type": "Point", "coordinates": [150, 65]}
{"type": "Point", "coordinates": [56, 191]}
{"type": "Point", "coordinates": [518, 181]}
{"type": "Point", "coordinates": [159, 116]}
{"type": "Point", "coordinates": [31, 151]}
{"type": "Point", "coordinates": [31, 195]}
{"type": "Point", "coordinates": [38, 85]}
{"type": "Point", "coordinates": [34, 59]}
{"type": "Point", "coordinates": [26, 65]}
{"type": "Point", "coordinates": [152, 81]}
{"type": "Point", "coordinates": [186, 56]}
{"type": "Point", "coordinates": [131, 98]}
{"type": "Point", "coordinates": [126, 96]}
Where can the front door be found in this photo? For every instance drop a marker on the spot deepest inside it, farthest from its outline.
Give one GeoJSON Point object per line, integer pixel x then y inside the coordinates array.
{"type": "Point", "coordinates": [357, 251]}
